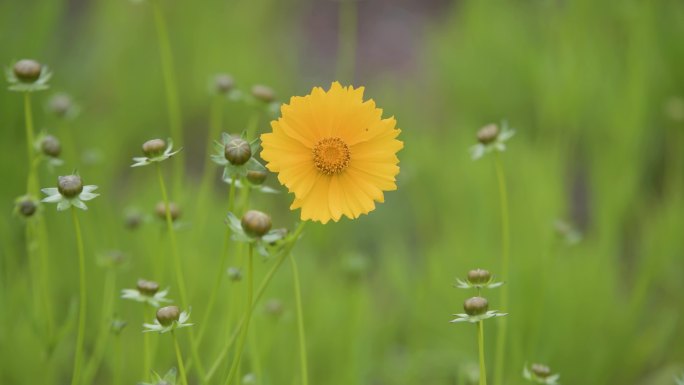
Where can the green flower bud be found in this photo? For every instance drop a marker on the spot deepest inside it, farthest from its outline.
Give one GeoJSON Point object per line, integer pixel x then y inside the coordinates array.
{"type": "Point", "coordinates": [118, 326]}
{"type": "Point", "coordinates": [237, 151]}
{"type": "Point", "coordinates": [166, 315]}
{"type": "Point", "coordinates": [27, 70]}
{"type": "Point", "coordinates": [27, 207]}
{"type": "Point", "coordinates": [488, 133]}
{"type": "Point", "coordinates": [133, 220]}
{"type": "Point", "coordinates": [174, 210]}
{"type": "Point", "coordinates": [148, 288]}
{"type": "Point", "coordinates": [479, 276]}
{"type": "Point", "coordinates": [51, 146]}
{"type": "Point", "coordinates": [256, 177]}
{"type": "Point", "coordinates": [255, 223]}
{"type": "Point", "coordinates": [223, 83]}
{"type": "Point", "coordinates": [540, 370]}
{"type": "Point", "coordinates": [60, 104]}
{"type": "Point", "coordinates": [263, 93]}
{"type": "Point", "coordinates": [274, 307]}
{"type": "Point", "coordinates": [475, 306]}
{"type": "Point", "coordinates": [69, 186]}
{"type": "Point", "coordinates": [154, 147]}
{"type": "Point", "coordinates": [235, 274]}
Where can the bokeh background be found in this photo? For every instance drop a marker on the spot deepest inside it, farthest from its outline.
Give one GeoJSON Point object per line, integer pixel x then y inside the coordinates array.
{"type": "Point", "coordinates": [594, 90]}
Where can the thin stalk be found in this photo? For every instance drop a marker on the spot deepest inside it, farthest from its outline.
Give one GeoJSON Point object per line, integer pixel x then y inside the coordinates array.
{"type": "Point", "coordinates": [78, 356]}
{"type": "Point", "coordinates": [262, 288]}
{"type": "Point", "coordinates": [70, 146]}
{"type": "Point", "coordinates": [253, 123]}
{"type": "Point", "coordinates": [480, 346]}
{"type": "Point", "coordinates": [255, 357]}
{"type": "Point", "coordinates": [172, 101]}
{"type": "Point", "coordinates": [215, 121]}
{"type": "Point", "coordinates": [179, 358]}
{"type": "Point", "coordinates": [118, 361]}
{"type": "Point", "coordinates": [347, 38]}
{"type": "Point", "coordinates": [248, 315]}
{"type": "Point", "coordinates": [505, 264]}
{"type": "Point", "coordinates": [303, 362]}
{"type": "Point", "coordinates": [105, 328]}
{"type": "Point", "coordinates": [147, 358]}
{"type": "Point", "coordinates": [32, 182]}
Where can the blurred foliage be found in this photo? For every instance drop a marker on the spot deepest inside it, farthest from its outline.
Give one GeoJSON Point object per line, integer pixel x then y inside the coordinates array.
{"type": "Point", "coordinates": [594, 90]}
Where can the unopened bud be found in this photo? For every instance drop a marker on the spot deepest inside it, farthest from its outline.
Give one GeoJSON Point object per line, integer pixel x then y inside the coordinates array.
{"type": "Point", "coordinates": [27, 70]}
{"type": "Point", "coordinates": [237, 151]}
{"type": "Point", "coordinates": [223, 83]}
{"type": "Point", "coordinates": [166, 315]}
{"type": "Point", "coordinates": [174, 210]}
{"type": "Point", "coordinates": [256, 177]}
{"type": "Point", "coordinates": [70, 186]}
{"type": "Point", "coordinates": [479, 276]}
{"type": "Point", "coordinates": [263, 93]}
{"type": "Point", "coordinates": [475, 306]}
{"type": "Point", "coordinates": [148, 288]}
{"type": "Point", "coordinates": [488, 133]}
{"type": "Point", "coordinates": [234, 274]}
{"type": "Point", "coordinates": [540, 370]}
{"type": "Point", "coordinates": [27, 207]}
{"type": "Point", "coordinates": [255, 223]}
{"type": "Point", "coordinates": [274, 307]}
{"type": "Point", "coordinates": [51, 146]}
{"type": "Point", "coordinates": [60, 104]}
{"type": "Point", "coordinates": [154, 147]}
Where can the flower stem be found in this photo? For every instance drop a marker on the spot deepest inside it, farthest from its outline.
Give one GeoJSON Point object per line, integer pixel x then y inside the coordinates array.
{"type": "Point", "coordinates": [173, 105]}
{"type": "Point", "coordinates": [505, 264]}
{"type": "Point", "coordinates": [347, 36]}
{"type": "Point", "coordinates": [32, 182]}
{"type": "Point", "coordinates": [248, 315]}
{"type": "Point", "coordinates": [208, 172]}
{"type": "Point", "coordinates": [179, 357]}
{"type": "Point", "coordinates": [300, 322]}
{"type": "Point", "coordinates": [78, 356]}
{"type": "Point", "coordinates": [480, 345]}
{"type": "Point", "coordinates": [147, 361]}
{"type": "Point", "coordinates": [105, 328]}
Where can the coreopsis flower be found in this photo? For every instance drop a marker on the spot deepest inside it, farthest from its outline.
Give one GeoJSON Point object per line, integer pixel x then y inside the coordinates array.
{"type": "Point", "coordinates": [478, 279]}
{"type": "Point", "coordinates": [334, 152]}
{"type": "Point", "coordinates": [70, 191]}
{"type": "Point", "coordinates": [255, 228]}
{"type": "Point", "coordinates": [491, 138]}
{"type": "Point", "coordinates": [28, 75]}
{"type": "Point", "coordinates": [168, 318]}
{"type": "Point", "coordinates": [540, 374]}
{"type": "Point", "coordinates": [476, 310]}
{"type": "Point", "coordinates": [155, 150]}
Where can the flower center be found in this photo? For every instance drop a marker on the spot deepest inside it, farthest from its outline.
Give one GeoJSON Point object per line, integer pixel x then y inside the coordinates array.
{"type": "Point", "coordinates": [331, 155]}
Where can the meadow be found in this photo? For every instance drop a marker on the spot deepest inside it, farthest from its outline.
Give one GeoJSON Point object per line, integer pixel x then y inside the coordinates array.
{"type": "Point", "coordinates": [579, 214]}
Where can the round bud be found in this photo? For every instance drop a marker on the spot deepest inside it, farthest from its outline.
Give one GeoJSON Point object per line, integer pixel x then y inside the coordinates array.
{"type": "Point", "coordinates": [479, 276]}
{"type": "Point", "coordinates": [237, 151]}
{"type": "Point", "coordinates": [255, 223]}
{"type": "Point", "coordinates": [540, 370]}
{"type": "Point", "coordinates": [51, 146]}
{"type": "Point", "coordinates": [154, 147]}
{"type": "Point", "coordinates": [69, 186]}
{"type": "Point", "coordinates": [274, 307]}
{"type": "Point", "coordinates": [256, 177]}
{"type": "Point", "coordinates": [27, 207]}
{"type": "Point", "coordinates": [475, 306]}
{"type": "Point", "coordinates": [148, 288]}
{"type": "Point", "coordinates": [60, 104]}
{"type": "Point", "coordinates": [133, 220]}
{"type": "Point", "coordinates": [174, 210]}
{"type": "Point", "coordinates": [488, 134]}
{"type": "Point", "coordinates": [167, 314]}
{"type": "Point", "coordinates": [27, 70]}
{"type": "Point", "coordinates": [235, 274]}
{"type": "Point", "coordinates": [263, 93]}
{"type": "Point", "coordinates": [223, 83]}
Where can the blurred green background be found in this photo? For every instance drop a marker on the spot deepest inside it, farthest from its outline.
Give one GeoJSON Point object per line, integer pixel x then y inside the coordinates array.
{"type": "Point", "coordinates": [594, 89]}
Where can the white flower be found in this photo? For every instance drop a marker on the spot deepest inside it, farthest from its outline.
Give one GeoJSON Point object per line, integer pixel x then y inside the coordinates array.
{"type": "Point", "coordinates": [158, 327]}
{"type": "Point", "coordinates": [499, 144]}
{"type": "Point", "coordinates": [145, 160]}
{"type": "Point", "coordinates": [63, 202]}
{"type": "Point", "coordinates": [462, 317]}
{"type": "Point", "coordinates": [152, 300]}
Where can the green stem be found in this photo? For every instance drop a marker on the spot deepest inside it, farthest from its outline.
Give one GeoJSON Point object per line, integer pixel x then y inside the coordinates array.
{"type": "Point", "coordinates": [118, 361]}
{"type": "Point", "coordinates": [209, 172]}
{"type": "Point", "coordinates": [248, 315]}
{"type": "Point", "coordinates": [179, 357]}
{"type": "Point", "coordinates": [347, 36]}
{"type": "Point", "coordinates": [253, 124]}
{"type": "Point", "coordinates": [262, 287]}
{"type": "Point", "coordinates": [172, 101]}
{"type": "Point", "coordinates": [480, 345]}
{"type": "Point", "coordinates": [147, 359]}
{"type": "Point", "coordinates": [105, 328]}
{"type": "Point", "coordinates": [505, 264]}
{"type": "Point", "coordinates": [32, 182]}
{"type": "Point", "coordinates": [300, 323]}
{"type": "Point", "coordinates": [78, 356]}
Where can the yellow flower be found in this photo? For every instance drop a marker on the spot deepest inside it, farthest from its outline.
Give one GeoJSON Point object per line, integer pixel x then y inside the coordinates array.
{"type": "Point", "coordinates": [334, 152]}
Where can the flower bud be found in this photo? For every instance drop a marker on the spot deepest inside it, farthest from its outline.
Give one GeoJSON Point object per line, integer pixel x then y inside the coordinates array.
{"type": "Point", "coordinates": [540, 370]}
{"type": "Point", "coordinates": [263, 93]}
{"type": "Point", "coordinates": [51, 146]}
{"type": "Point", "coordinates": [234, 274]}
{"type": "Point", "coordinates": [488, 134]}
{"type": "Point", "coordinates": [118, 326]}
{"type": "Point", "coordinates": [237, 151]}
{"type": "Point", "coordinates": [27, 70]}
{"type": "Point", "coordinates": [148, 288]}
{"type": "Point", "coordinates": [174, 210]}
{"type": "Point", "coordinates": [479, 276]}
{"type": "Point", "coordinates": [133, 220]}
{"type": "Point", "coordinates": [255, 223]}
{"type": "Point", "coordinates": [223, 83]}
{"type": "Point", "coordinates": [27, 207]}
{"type": "Point", "coordinates": [256, 177]}
{"type": "Point", "coordinates": [60, 104]}
{"type": "Point", "coordinates": [475, 306]}
{"type": "Point", "coordinates": [167, 314]}
{"type": "Point", "coordinates": [274, 307]}
{"type": "Point", "coordinates": [154, 147]}
{"type": "Point", "coordinates": [69, 186]}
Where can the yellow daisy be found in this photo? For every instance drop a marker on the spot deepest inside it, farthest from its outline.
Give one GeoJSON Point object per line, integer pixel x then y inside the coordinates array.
{"type": "Point", "coordinates": [334, 152]}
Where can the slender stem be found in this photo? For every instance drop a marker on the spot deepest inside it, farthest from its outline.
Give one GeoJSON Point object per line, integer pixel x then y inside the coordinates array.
{"type": "Point", "coordinates": [505, 264]}
{"type": "Point", "coordinates": [172, 101]}
{"type": "Point", "coordinates": [248, 315]}
{"type": "Point", "coordinates": [209, 172]}
{"type": "Point", "coordinates": [105, 327]}
{"type": "Point", "coordinates": [78, 356]}
{"type": "Point", "coordinates": [347, 36]}
{"type": "Point", "coordinates": [118, 361]}
{"type": "Point", "coordinates": [300, 323]}
{"type": "Point", "coordinates": [147, 358]}
{"type": "Point", "coordinates": [480, 345]}
{"type": "Point", "coordinates": [253, 123]}
{"type": "Point", "coordinates": [179, 357]}
{"type": "Point", "coordinates": [32, 182]}
{"type": "Point", "coordinates": [262, 287]}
